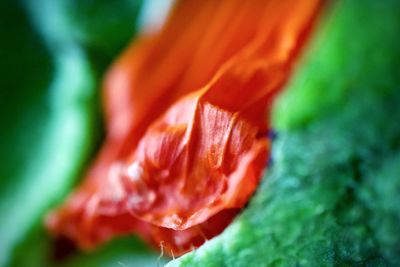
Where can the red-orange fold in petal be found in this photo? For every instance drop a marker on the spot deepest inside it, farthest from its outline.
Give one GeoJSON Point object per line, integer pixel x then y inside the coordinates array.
{"type": "Point", "coordinates": [187, 120]}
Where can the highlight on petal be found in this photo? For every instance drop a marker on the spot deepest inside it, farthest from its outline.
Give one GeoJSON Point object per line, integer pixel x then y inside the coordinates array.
{"type": "Point", "coordinates": [187, 120]}
{"type": "Point", "coordinates": [183, 168]}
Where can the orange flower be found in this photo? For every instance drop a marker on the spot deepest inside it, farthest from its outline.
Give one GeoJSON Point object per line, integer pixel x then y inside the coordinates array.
{"type": "Point", "coordinates": [187, 121]}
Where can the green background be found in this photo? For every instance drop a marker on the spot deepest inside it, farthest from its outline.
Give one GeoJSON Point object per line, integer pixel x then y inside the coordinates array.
{"type": "Point", "coordinates": [53, 55]}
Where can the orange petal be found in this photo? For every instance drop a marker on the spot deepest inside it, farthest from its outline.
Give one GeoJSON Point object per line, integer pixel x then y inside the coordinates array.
{"type": "Point", "coordinates": [186, 117]}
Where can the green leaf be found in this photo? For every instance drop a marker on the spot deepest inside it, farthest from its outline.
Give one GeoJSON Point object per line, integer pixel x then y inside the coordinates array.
{"type": "Point", "coordinates": [48, 124]}
{"type": "Point", "coordinates": [101, 28]}
{"type": "Point", "coordinates": [331, 194]}
{"type": "Point", "coordinates": [53, 55]}
{"type": "Point", "coordinates": [124, 252]}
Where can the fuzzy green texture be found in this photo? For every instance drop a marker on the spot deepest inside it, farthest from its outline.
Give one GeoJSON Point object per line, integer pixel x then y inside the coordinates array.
{"type": "Point", "coordinates": [47, 112]}
{"type": "Point", "coordinates": [331, 195]}
{"type": "Point", "coordinates": [53, 54]}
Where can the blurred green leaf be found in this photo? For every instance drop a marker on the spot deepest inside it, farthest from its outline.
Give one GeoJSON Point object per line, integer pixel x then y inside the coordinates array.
{"type": "Point", "coordinates": [121, 252]}
{"type": "Point", "coordinates": [53, 55]}
{"type": "Point", "coordinates": [126, 252]}
{"type": "Point", "coordinates": [102, 28]}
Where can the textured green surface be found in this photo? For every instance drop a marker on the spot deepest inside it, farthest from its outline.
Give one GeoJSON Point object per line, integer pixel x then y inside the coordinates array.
{"type": "Point", "coordinates": [332, 192]}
